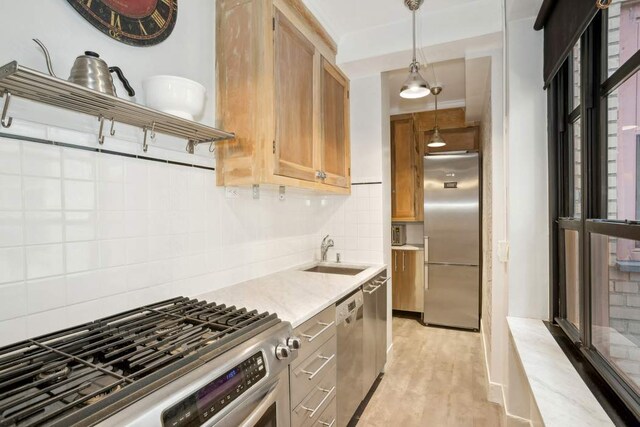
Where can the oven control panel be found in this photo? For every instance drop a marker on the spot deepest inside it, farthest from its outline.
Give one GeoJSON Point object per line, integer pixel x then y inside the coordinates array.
{"type": "Point", "coordinates": [206, 402]}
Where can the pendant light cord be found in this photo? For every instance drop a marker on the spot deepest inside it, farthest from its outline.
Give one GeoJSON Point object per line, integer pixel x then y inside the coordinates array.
{"type": "Point", "coordinates": [415, 61]}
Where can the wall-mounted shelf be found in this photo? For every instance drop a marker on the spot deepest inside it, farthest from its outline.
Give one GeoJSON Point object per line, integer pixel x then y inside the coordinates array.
{"type": "Point", "coordinates": [16, 80]}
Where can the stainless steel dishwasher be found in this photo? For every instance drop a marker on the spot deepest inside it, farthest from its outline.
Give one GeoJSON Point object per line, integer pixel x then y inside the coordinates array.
{"type": "Point", "coordinates": [349, 321]}
{"type": "Point", "coordinates": [375, 330]}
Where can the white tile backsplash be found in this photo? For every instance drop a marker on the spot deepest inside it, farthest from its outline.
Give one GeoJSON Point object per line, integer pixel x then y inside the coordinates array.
{"type": "Point", "coordinates": [43, 227]}
{"type": "Point", "coordinates": [10, 192]}
{"type": "Point", "coordinates": [41, 160]}
{"type": "Point", "coordinates": [11, 229]}
{"type": "Point", "coordinates": [84, 234]}
{"type": "Point", "coordinates": [44, 260]}
{"type": "Point", "coordinates": [356, 226]}
{"type": "Point", "coordinates": [9, 156]}
{"type": "Point", "coordinates": [11, 264]}
{"type": "Point", "coordinates": [79, 195]}
{"type": "Point", "coordinates": [42, 193]}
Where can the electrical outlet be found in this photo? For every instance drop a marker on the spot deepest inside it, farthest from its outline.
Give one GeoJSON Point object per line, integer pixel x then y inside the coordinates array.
{"type": "Point", "coordinates": [256, 191]}
{"type": "Point", "coordinates": [281, 196]}
{"type": "Point", "coordinates": [232, 192]}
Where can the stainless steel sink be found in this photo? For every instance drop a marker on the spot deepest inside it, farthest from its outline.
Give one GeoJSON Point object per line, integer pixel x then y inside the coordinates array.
{"type": "Point", "coordinates": [329, 269]}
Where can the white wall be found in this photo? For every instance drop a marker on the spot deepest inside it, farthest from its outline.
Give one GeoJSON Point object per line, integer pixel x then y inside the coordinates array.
{"type": "Point", "coordinates": [189, 51]}
{"type": "Point", "coordinates": [528, 210]}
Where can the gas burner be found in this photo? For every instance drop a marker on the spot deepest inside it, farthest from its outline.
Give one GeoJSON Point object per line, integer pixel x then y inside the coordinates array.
{"type": "Point", "coordinates": [95, 366]}
{"type": "Point", "coordinates": [210, 337]}
{"type": "Point", "coordinates": [54, 373]}
{"type": "Point", "coordinates": [93, 387]}
{"type": "Point", "coordinates": [182, 349]}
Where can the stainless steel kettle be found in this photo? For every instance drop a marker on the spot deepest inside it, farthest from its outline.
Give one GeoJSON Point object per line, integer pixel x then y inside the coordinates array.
{"type": "Point", "coordinates": [90, 71]}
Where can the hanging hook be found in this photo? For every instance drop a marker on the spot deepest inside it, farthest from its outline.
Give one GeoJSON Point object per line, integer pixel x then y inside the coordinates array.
{"type": "Point", "coordinates": [112, 131]}
{"type": "Point", "coordinates": [6, 122]}
{"type": "Point", "coordinates": [212, 146]}
{"type": "Point", "coordinates": [145, 145]}
{"type": "Point", "coordinates": [191, 145]}
{"type": "Point", "coordinates": [153, 132]}
{"type": "Point", "coordinates": [100, 134]}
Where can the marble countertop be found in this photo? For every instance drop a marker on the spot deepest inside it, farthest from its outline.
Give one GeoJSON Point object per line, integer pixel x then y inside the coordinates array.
{"type": "Point", "coordinates": [408, 247]}
{"type": "Point", "coordinates": [294, 295]}
{"type": "Point", "coordinates": [561, 395]}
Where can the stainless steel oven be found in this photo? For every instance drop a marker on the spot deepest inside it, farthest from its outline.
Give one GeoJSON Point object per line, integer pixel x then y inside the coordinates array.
{"type": "Point", "coordinates": [247, 386]}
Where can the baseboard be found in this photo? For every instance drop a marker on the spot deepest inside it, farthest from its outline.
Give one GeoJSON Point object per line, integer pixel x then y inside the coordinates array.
{"type": "Point", "coordinates": [494, 390]}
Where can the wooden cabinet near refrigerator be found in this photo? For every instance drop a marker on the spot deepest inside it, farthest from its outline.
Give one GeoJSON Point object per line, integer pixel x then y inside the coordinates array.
{"type": "Point", "coordinates": [407, 272]}
{"type": "Point", "coordinates": [406, 170]}
{"type": "Point", "coordinates": [279, 90]}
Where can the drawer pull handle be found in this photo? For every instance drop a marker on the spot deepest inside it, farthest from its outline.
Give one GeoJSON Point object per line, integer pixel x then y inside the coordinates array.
{"type": "Point", "coordinates": [326, 359]}
{"type": "Point", "coordinates": [372, 290]}
{"type": "Point", "coordinates": [382, 282]}
{"type": "Point", "coordinates": [313, 337]}
{"type": "Point", "coordinates": [328, 424]}
{"type": "Point", "coordinates": [324, 390]}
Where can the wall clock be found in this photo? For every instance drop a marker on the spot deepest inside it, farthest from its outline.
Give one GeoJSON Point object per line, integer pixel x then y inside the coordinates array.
{"type": "Point", "coordinates": [134, 22]}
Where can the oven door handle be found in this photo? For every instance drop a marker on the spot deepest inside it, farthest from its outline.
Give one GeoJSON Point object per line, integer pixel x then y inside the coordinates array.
{"type": "Point", "coordinates": [265, 403]}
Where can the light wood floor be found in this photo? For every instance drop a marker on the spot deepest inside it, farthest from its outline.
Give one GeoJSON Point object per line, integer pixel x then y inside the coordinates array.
{"type": "Point", "coordinates": [434, 377]}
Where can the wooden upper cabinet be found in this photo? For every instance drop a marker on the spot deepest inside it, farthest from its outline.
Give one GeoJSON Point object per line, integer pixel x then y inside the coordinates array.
{"type": "Point", "coordinates": [406, 172]}
{"type": "Point", "coordinates": [280, 92]}
{"type": "Point", "coordinates": [294, 64]}
{"type": "Point", "coordinates": [335, 160]}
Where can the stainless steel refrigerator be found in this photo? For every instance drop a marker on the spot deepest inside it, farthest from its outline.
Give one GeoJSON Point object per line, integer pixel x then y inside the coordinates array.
{"type": "Point", "coordinates": [452, 240]}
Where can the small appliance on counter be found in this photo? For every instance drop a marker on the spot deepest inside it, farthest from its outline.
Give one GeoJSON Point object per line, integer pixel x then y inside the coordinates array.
{"type": "Point", "coordinates": [180, 362]}
{"type": "Point", "coordinates": [398, 234]}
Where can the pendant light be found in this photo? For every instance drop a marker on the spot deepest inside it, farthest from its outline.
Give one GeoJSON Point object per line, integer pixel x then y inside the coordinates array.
{"type": "Point", "coordinates": [436, 140]}
{"type": "Point", "coordinates": [415, 86]}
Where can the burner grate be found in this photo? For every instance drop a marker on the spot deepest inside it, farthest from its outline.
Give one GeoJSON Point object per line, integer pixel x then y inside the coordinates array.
{"type": "Point", "coordinates": [70, 375]}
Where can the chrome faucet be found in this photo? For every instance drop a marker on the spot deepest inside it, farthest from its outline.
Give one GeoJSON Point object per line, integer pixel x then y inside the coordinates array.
{"type": "Point", "coordinates": [324, 247]}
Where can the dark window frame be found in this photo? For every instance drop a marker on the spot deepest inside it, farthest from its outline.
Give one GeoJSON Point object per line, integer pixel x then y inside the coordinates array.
{"type": "Point", "coordinates": [592, 112]}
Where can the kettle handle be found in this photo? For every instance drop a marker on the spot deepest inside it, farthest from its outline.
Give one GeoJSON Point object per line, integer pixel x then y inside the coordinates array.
{"type": "Point", "coordinates": [124, 80]}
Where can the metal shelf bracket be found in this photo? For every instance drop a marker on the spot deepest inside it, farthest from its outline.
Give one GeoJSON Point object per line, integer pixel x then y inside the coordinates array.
{"type": "Point", "coordinates": [7, 99]}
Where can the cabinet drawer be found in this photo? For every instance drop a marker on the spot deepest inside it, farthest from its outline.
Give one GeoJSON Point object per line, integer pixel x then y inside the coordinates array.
{"type": "Point", "coordinates": [328, 417]}
{"type": "Point", "coordinates": [312, 370]}
{"type": "Point", "coordinates": [315, 332]}
{"type": "Point", "coordinates": [308, 411]}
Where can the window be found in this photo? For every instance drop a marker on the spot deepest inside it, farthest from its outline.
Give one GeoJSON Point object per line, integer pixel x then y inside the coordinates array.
{"type": "Point", "coordinates": [595, 152]}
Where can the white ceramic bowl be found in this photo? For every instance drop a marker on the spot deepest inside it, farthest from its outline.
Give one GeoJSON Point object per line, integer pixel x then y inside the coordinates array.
{"type": "Point", "coordinates": [174, 95]}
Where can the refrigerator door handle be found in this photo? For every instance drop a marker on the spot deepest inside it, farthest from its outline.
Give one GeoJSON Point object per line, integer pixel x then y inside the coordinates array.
{"type": "Point", "coordinates": [426, 249]}
{"type": "Point", "coordinates": [395, 260]}
{"type": "Point", "coordinates": [426, 276]}
{"type": "Point", "coordinates": [403, 253]}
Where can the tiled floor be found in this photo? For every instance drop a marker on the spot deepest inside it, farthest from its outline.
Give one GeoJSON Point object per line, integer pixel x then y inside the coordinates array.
{"type": "Point", "coordinates": [434, 377]}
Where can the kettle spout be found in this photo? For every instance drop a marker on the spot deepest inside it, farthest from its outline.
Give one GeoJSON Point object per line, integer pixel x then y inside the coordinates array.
{"type": "Point", "coordinates": [47, 56]}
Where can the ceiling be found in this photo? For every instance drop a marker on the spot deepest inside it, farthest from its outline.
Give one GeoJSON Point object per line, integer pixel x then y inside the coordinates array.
{"type": "Point", "coordinates": [448, 74]}
{"type": "Point", "coordinates": [341, 17]}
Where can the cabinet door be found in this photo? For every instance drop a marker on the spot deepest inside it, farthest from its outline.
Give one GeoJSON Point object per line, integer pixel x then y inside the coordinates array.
{"type": "Point", "coordinates": [408, 292]}
{"type": "Point", "coordinates": [397, 279]}
{"type": "Point", "coordinates": [335, 152]}
{"type": "Point", "coordinates": [405, 176]}
{"type": "Point", "coordinates": [294, 100]}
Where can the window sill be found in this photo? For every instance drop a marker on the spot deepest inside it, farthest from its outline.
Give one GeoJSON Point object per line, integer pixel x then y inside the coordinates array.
{"type": "Point", "coordinates": [560, 395]}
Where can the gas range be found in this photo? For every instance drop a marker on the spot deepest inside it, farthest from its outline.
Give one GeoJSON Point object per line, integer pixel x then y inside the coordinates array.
{"type": "Point", "coordinates": [171, 361]}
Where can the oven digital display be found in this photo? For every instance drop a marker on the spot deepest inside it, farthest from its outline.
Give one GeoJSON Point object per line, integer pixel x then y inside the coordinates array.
{"type": "Point", "coordinates": [208, 401]}
{"type": "Point", "coordinates": [219, 389]}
